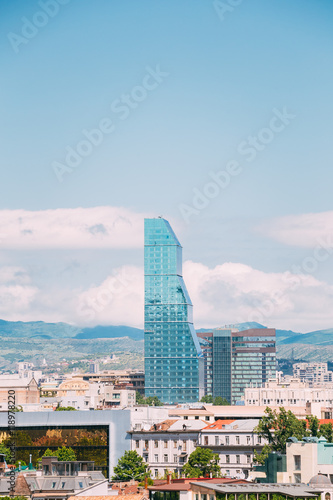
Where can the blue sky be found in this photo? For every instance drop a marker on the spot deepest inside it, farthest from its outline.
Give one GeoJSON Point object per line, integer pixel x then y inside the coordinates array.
{"type": "Point", "coordinates": [223, 79]}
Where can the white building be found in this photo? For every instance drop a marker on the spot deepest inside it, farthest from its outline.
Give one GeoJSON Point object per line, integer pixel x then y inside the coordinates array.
{"type": "Point", "coordinates": [165, 446]}
{"type": "Point", "coordinates": [235, 442]}
{"type": "Point", "coordinates": [312, 373]}
{"type": "Point", "coordinates": [293, 393]}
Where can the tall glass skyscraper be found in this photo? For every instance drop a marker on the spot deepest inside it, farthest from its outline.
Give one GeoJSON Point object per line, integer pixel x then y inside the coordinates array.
{"type": "Point", "coordinates": [173, 358]}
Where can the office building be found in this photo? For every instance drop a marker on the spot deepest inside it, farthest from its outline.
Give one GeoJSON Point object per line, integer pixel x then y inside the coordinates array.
{"type": "Point", "coordinates": [234, 360]}
{"type": "Point", "coordinates": [173, 358]}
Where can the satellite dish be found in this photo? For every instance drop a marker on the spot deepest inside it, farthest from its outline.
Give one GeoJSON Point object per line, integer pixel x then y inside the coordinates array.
{"type": "Point", "coordinates": [146, 427]}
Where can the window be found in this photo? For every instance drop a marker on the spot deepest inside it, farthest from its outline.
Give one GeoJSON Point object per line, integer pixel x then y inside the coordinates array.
{"type": "Point", "coordinates": [297, 462]}
{"type": "Point", "coordinates": [175, 459]}
{"type": "Point", "coordinates": [156, 458]}
{"type": "Point", "coordinates": [217, 440]}
{"type": "Point", "coordinates": [165, 457]}
{"type": "Point", "coordinates": [259, 439]}
{"type": "Point", "coordinates": [227, 459]}
{"type": "Point", "coordinates": [237, 459]}
{"type": "Point", "coordinates": [146, 444]}
{"type": "Point", "coordinates": [53, 485]}
{"type": "Point", "coordinates": [175, 444]}
{"type": "Point", "coordinates": [206, 440]}
{"type": "Point", "coordinates": [237, 439]}
{"type": "Point", "coordinates": [248, 439]}
{"type": "Point", "coordinates": [248, 459]}
{"type": "Point", "coordinates": [211, 497]}
{"type": "Point", "coordinates": [196, 496]}
{"type": "Point", "coordinates": [155, 443]}
{"type": "Point", "coordinates": [145, 457]}
{"type": "Point", "coordinates": [165, 444]}
{"type": "Point", "coordinates": [137, 444]}
{"type": "Point", "coordinates": [63, 485]}
{"type": "Point", "coordinates": [203, 496]}
{"type": "Point", "coordinates": [227, 440]}
{"type": "Point", "coordinates": [81, 484]}
{"type": "Point", "coordinates": [197, 418]}
{"type": "Point", "coordinates": [184, 445]}
{"type": "Point", "coordinates": [207, 418]}
{"type": "Point", "coordinates": [185, 417]}
{"type": "Point", "coordinates": [156, 472]}
{"type": "Point", "coordinates": [297, 478]}
{"type": "Point", "coordinates": [227, 472]}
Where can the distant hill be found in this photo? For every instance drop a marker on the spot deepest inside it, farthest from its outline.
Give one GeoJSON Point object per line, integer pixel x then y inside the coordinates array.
{"type": "Point", "coordinates": [45, 331]}
{"type": "Point", "coordinates": [41, 330]}
{"type": "Point", "coordinates": [110, 332]}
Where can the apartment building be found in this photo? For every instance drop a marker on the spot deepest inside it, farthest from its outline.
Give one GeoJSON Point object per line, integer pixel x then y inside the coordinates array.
{"type": "Point", "coordinates": [235, 442]}
{"type": "Point", "coordinates": [166, 446]}
{"type": "Point", "coordinates": [293, 393]}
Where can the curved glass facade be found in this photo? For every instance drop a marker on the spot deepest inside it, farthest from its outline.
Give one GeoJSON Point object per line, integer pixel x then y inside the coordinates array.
{"type": "Point", "coordinates": [173, 358]}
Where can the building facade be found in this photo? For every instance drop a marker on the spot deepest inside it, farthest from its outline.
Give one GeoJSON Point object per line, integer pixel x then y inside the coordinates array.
{"type": "Point", "coordinates": [173, 358]}
{"type": "Point", "coordinates": [313, 373]}
{"type": "Point", "coordinates": [291, 392]}
{"type": "Point", "coordinates": [234, 360]}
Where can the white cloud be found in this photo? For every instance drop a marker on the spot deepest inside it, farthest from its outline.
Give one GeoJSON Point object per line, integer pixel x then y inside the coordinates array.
{"type": "Point", "coordinates": [228, 293]}
{"type": "Point", "coordinates": [16, 292]}
{"type": "Point", "coordinates": [98, 227]}
{"type": "Point", "coordinates": [233, 292]}
{"type": "Point", "coordinates": [306, 230]}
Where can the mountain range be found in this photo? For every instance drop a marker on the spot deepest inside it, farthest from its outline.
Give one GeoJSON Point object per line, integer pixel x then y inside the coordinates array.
{"type": "Point", "coordinates": [39, 329]}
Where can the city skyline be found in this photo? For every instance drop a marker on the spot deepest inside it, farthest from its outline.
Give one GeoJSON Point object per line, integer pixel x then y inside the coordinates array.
{"type": "Point", "coordinates": [218, 121]}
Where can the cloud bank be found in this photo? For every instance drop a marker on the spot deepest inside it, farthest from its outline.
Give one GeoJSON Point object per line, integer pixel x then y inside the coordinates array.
{"type": "Point", "coordinates": [98, 227]}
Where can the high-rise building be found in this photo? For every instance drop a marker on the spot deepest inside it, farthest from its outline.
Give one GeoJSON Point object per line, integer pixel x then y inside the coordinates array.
{"type": "Point", "coordinates": [173, 358]}
{"type": "Point", "coordinates": [234, 360]}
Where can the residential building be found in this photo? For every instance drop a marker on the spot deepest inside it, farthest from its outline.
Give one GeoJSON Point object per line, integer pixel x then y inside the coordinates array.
{"type": "Point", "coordinates": [135, 378]}
{"type": "Point", "coordinates": [166, 446]}
{"type": "Point", "coordinates": [173, 358]}
{"type": "Point", "coordinates": [235, 442]}
{"type": "Point", "coordinates": [313, 373]}
{"type": "Point", "coordinates": [308, 458]}
{"type": "Point", "coordinates": [291, 392]}
{"type": "Point", "coordinates": [60, 480]}
{"type": "Point", "coordinates": [236, 359]}
{"type": "Point", "coordinates": [26, 393]}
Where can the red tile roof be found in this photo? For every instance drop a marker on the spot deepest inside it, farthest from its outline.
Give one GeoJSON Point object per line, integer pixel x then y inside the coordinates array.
{"type": "Point", "coordinates": [219, 424]}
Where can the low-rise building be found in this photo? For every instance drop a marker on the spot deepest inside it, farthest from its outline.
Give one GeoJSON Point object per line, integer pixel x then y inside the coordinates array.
{"type": "Point", "coordinates": [24, 393]}
{"type": "Point", "coordinates": [292, 393]}
{"type": "Point", "coordinates": [235, 442]}
{"type": "Point", "coordinates": [166, 446]}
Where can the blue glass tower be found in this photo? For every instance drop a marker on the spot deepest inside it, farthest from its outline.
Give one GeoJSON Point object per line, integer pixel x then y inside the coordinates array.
{"type": "Point", "coordinates": [173, 358]}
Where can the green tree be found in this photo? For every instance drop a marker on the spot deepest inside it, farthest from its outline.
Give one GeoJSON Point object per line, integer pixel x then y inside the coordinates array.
{"type": "Point", "coordinates": [206, 399]}
{"type": "Point", "coordinates": [5, 451]}
{"type": "Point", "coordinates": [65, 408]}
{"type": "Point", "coordinates": [64, 454]}
{"type": "Point", "coordinates": [150, 400]}
{"type": "Point", "coordinates": [130, 466]}
{"type": "Point", "coordinates": [202, 462]}
{"type": "Point", "coordinates": [278, 427]}
{"type": "Point", "coordinates": [259, 458]}
{"type": "Point", "coordinates": [326, 430]}
{"type": "Point", "coordinates": [219, 401]}
{"type": "Point", "coordinates": [313, 426]}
